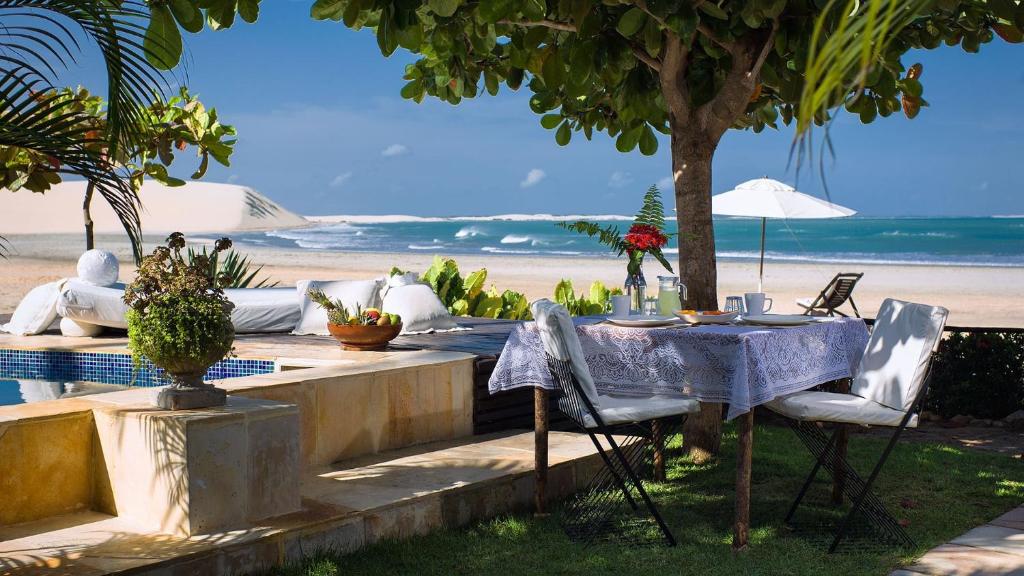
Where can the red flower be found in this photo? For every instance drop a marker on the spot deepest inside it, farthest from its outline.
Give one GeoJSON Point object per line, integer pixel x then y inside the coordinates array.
{"type": "Point", "coordinates": [645, 237]}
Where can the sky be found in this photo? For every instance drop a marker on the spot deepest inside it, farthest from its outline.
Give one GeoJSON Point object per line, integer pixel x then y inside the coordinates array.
{"type": "Point", "coordinates": [322, 130]}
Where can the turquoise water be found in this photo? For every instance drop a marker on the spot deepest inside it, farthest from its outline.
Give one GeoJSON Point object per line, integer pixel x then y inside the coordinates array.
{"type": "Point", "coordinates": [960, 241]}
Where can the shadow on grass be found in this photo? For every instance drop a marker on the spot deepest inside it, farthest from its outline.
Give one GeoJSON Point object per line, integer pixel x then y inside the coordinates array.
{"type": "Point", "coordinates": [940, 492]}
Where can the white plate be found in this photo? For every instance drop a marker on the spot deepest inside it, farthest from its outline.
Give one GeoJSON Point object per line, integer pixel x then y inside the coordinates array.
{"type": "Point", "coordinates": [643, 321]}
{"type": "Point", "coordinates": [707, 318]}
{"type": "Point", "coordinates": [778, 319]}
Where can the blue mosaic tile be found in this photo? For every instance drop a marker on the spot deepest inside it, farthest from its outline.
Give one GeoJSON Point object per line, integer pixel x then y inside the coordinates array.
{"type": "Point", "coordinates": [63, 366]}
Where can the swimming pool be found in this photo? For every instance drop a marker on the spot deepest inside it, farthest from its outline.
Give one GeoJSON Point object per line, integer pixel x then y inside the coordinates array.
{"type": "Point", "coordinates": [37, 375]}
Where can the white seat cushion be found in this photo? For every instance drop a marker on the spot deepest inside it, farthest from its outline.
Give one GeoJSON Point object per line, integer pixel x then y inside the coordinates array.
{"type": "Point", "coordinates": [831, 407]}
{"type": "Point", "coordinates": [621, 410]}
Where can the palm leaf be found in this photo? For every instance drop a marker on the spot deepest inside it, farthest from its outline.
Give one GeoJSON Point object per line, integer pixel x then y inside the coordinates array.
{"type": "Point", "coordinates": [608, 236]}
{"type": "Point", "coordinates": [40, 37]}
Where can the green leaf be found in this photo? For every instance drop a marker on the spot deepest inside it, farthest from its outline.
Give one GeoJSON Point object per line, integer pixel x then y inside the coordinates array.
{"type": "Point", "coordinates": [444, 8]}
{"type": "Point", "coordinates": [220, 14]}
{"type": "Point", "coordinates": [550, 121]}
{"type": "Point", "coordinates": [553, 70]}
{"type": "Point", "coordinates": [564, 294]}
{"type": "Point", "coordinates": [188, 15]}
{"type": "Point", "coordinates": [713, 10]}
{"type": "Point", "coordinates": [534, 9]}
{"type": "Point", "coordinates": [631, 22]}
{"type": "Point", "coordinates": [412, 90]}
{"type": "Point", "coordinates": [162, 42]}
{"type": "Point", "coordinates": [628, 139]}
{"type": "Point", "coordinates": [648, 141]}
{"type": "Point", "coordinates": [911, 86]}
{"type": "Point", "coordinates": [249, 10]}
{"type": "Point", "coordinates": [564, 134]}
{"type": "Point", "coordinates": [491, 82]}
{"type": "Point", "coordinates": [387, 38]}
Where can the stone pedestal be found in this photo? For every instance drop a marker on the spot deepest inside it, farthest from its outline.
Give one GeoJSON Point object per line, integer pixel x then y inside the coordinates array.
{"type": "Point", "coordinates": [201, 471]}
{"type": "Point", "coordinates": [189, 398]}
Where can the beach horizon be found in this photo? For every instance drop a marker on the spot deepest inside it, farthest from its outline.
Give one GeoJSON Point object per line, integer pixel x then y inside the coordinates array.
{"type": "Point", "coordinates": [977, 296]}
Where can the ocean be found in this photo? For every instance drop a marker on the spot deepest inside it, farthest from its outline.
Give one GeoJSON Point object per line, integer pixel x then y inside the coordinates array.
{"type": "Point", "coordinates": [990, 241]}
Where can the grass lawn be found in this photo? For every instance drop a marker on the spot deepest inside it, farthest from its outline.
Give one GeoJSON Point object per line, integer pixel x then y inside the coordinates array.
{"type": "Point", "coordinates": [946, 492]}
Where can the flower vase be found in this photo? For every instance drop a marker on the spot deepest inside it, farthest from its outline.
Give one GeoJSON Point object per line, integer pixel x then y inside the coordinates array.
{"type": "Point", "coordinates": [636, 288]}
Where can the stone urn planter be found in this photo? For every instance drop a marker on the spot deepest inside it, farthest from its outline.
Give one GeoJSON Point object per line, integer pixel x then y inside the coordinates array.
{"type": "Point", "coordinates": [180, 320]}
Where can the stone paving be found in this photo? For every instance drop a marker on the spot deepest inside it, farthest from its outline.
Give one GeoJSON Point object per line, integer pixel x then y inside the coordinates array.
{"type": "Point", "coordinates": [988, 550]}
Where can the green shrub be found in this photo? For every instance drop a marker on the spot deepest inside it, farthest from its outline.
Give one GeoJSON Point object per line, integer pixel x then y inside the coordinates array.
{"type": "Point", "coordinates": [980, 375]}
{"type": "Point", "coordinates": [178, 315]}
{"type": "Point", "coordinates": [465, 296]}
{"type": "Point", "coordinates": [584, 305]}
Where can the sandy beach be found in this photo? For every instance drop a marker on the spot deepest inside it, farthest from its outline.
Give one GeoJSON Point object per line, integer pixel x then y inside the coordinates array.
{"type": "Point", "coordinates": [976, 296]}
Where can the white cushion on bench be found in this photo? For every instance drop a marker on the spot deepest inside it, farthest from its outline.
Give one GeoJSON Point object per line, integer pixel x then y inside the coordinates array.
{"type": "Point", "coordinates": [812, 406]}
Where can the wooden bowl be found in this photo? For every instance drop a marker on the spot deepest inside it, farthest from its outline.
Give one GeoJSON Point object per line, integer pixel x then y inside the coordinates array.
{"type": "Point", "coordinates": [364, 337]}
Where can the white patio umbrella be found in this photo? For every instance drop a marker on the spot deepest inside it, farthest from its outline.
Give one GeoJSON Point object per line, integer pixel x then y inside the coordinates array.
{"type": "Point", "coordinates": [766, 198]}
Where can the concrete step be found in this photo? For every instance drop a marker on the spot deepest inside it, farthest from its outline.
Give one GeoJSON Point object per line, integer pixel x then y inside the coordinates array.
{"type": "Point", "coordinates": [344, 507]}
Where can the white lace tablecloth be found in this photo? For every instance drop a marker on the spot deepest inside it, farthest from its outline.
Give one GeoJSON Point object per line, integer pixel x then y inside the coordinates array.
{"type": "Point", "coordinates": [743, 366]}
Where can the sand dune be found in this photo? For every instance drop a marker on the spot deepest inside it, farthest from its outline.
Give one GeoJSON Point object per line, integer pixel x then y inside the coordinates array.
{"type": "Point", "coordinates": [194, 207]}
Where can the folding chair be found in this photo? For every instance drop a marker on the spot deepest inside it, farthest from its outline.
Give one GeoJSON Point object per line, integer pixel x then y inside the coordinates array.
{"type": "Point", "coordinates": [601, 415]}
{"type": "Point", "coordinates": [887, 391]}
{"type": "Point", "coordinates": [838, 291]}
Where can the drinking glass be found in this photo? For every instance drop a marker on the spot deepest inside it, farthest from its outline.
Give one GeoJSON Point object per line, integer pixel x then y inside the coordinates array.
{"type": "Point", "coordinates": [734, 304]}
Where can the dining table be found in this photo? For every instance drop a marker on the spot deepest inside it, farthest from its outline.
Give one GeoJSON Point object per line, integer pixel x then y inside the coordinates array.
{"type": "Point", "coordinates": [738, 365]}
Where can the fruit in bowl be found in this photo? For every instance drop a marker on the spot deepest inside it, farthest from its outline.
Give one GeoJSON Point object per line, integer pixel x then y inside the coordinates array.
{"type": "Point", "coordinates": [358, 328]}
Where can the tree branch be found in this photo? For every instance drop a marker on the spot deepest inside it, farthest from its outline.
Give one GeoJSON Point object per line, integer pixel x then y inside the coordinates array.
{"type": "Point", "coordinates": [710, 35]}
{"type": "Point", "coordinates": [540, 23]}
{"type": "Point", "coordinates": [643, 56]}
{"type": "Point", "coordinates": [768, 44]}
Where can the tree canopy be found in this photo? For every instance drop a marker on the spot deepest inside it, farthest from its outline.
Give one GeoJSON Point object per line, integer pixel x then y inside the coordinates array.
{"type": "Point", "coordinates": [609, 65]}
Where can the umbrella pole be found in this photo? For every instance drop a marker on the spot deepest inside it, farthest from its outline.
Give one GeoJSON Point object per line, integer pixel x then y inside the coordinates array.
{"type": "Point", "coordinates": [760, 275]}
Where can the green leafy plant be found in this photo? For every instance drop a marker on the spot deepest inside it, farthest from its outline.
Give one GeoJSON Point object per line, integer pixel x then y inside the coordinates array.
{"type": "Point", "coordinates": [231, 270]}
{"type": "Point", "coordinates": [645, 236]}
{"type": "Point", "coordinates": [339, 313]}
{"type": "Point", "coordinates": [178, 316]}
{"type": "Point", "coordinates": [465, 296]}
{"type": "Point", "coordinates": [981, 375]}
{"type": "Point", "coordinates": [587, 304]}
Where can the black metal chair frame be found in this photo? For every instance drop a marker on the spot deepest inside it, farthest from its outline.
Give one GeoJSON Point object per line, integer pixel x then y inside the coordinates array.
{"type": "Point", "coordinates": [855, 488]}
{"type": "Point", "coordinates": [826, 301]}
{"type": "Point", "coordinates": [621, 464]}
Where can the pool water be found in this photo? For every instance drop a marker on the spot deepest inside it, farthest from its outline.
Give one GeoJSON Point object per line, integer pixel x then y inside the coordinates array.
{"type": "Point", "coordinates": [38, 375]}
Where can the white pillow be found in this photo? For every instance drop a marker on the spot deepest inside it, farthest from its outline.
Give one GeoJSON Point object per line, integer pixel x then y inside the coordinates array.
{"type": "Point", "coordinates": [98, 267]}
{"type": "Point", "coordinates": [37, 310]}
{"type": "Point", "coordinates": [313, 320]}
{"type": "Point", "coordinates": [74, 328]}
{"type": "Point", "coordinates": [421, 310]}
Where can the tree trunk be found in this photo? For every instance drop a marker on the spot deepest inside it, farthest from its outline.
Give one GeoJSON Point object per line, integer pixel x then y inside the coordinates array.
{"type": "Point", "coordinates": [90, 241]}
{"type": "Point", "coordinates": [691, 167]}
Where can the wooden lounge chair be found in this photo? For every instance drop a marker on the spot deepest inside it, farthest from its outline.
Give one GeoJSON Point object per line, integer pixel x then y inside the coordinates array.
{"type": "Point", "coordinates": [838, 292]}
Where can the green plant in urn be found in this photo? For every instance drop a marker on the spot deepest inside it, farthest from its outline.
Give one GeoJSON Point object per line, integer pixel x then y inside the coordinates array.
{"type": "Point", "coordinates": [180, 320]}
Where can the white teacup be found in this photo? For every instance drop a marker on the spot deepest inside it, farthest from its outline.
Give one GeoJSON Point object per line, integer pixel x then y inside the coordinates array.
{"type": "Point", "coordinates": [620, 306]}
{"type": "Point", "coordinates": [755, 302]}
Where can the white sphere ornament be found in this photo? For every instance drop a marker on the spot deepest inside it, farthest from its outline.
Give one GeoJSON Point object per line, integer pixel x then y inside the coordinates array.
{"type": "Point", "coordinates": [98, 267]}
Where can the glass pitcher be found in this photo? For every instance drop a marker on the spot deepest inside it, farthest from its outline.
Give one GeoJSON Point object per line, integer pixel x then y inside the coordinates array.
{"type": "Point", "coordinates": [669, 292]}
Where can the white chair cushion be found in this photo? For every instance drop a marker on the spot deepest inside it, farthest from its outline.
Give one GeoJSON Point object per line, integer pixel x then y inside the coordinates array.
{"type": "Point", "coordinates": [313, 319]}
{"type": "Point", "coordinates": [812, 406]}
{"type": "Point", "coordinates": [621, 410]}
{"type": "Point", "coordinates": [36, 311]}
{"type": "Point", "coordinates": [421, 310]}
{"type": "Point", "coordinates": [558, 334]}
{"type": "Point", "coordinates": [895, 362]}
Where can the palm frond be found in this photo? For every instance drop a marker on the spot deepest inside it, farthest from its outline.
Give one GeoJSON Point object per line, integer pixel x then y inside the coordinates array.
{"type": "Point", "coordinates": [848, 39]}
{"type": "Point", "coordinates": [38, 38]}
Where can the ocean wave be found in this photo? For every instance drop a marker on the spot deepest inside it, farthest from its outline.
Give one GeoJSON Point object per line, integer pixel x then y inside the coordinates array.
{"type": "Point", "coordinates": [496, 250]}
{"type": "Point", "coordinates": [908, 259]}
{"type": "Point", "coordinates": [900, 234]}
{"type": "Point", "coordinates": [515, 239]}
{"type": "Point", "coordinates": [404, 218]}
{"type": "Point", "coordinates": [469, 232]}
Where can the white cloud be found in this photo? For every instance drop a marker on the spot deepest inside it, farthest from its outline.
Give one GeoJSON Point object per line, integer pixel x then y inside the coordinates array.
{"type": "Point", "coordinates": [340, 180]}
{"type": "Point", "coordinates": [620, 179]}
{"type": "Point", "coordinates": [666, 184]}
{"type": "Point", "coordinates": [394, 150]}
{"type": "Point", "coordinates": [532, 178]}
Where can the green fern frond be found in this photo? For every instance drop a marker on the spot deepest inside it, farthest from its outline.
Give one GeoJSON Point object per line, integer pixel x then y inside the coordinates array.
{"type": "Point", "coordinates": [652, 213]}
{"type": "Point", "coordinates": [608, 236]}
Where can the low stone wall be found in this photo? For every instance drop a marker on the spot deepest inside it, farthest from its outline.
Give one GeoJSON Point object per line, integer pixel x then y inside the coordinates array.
{"type": "Point", "coordinates": [196, 471]}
